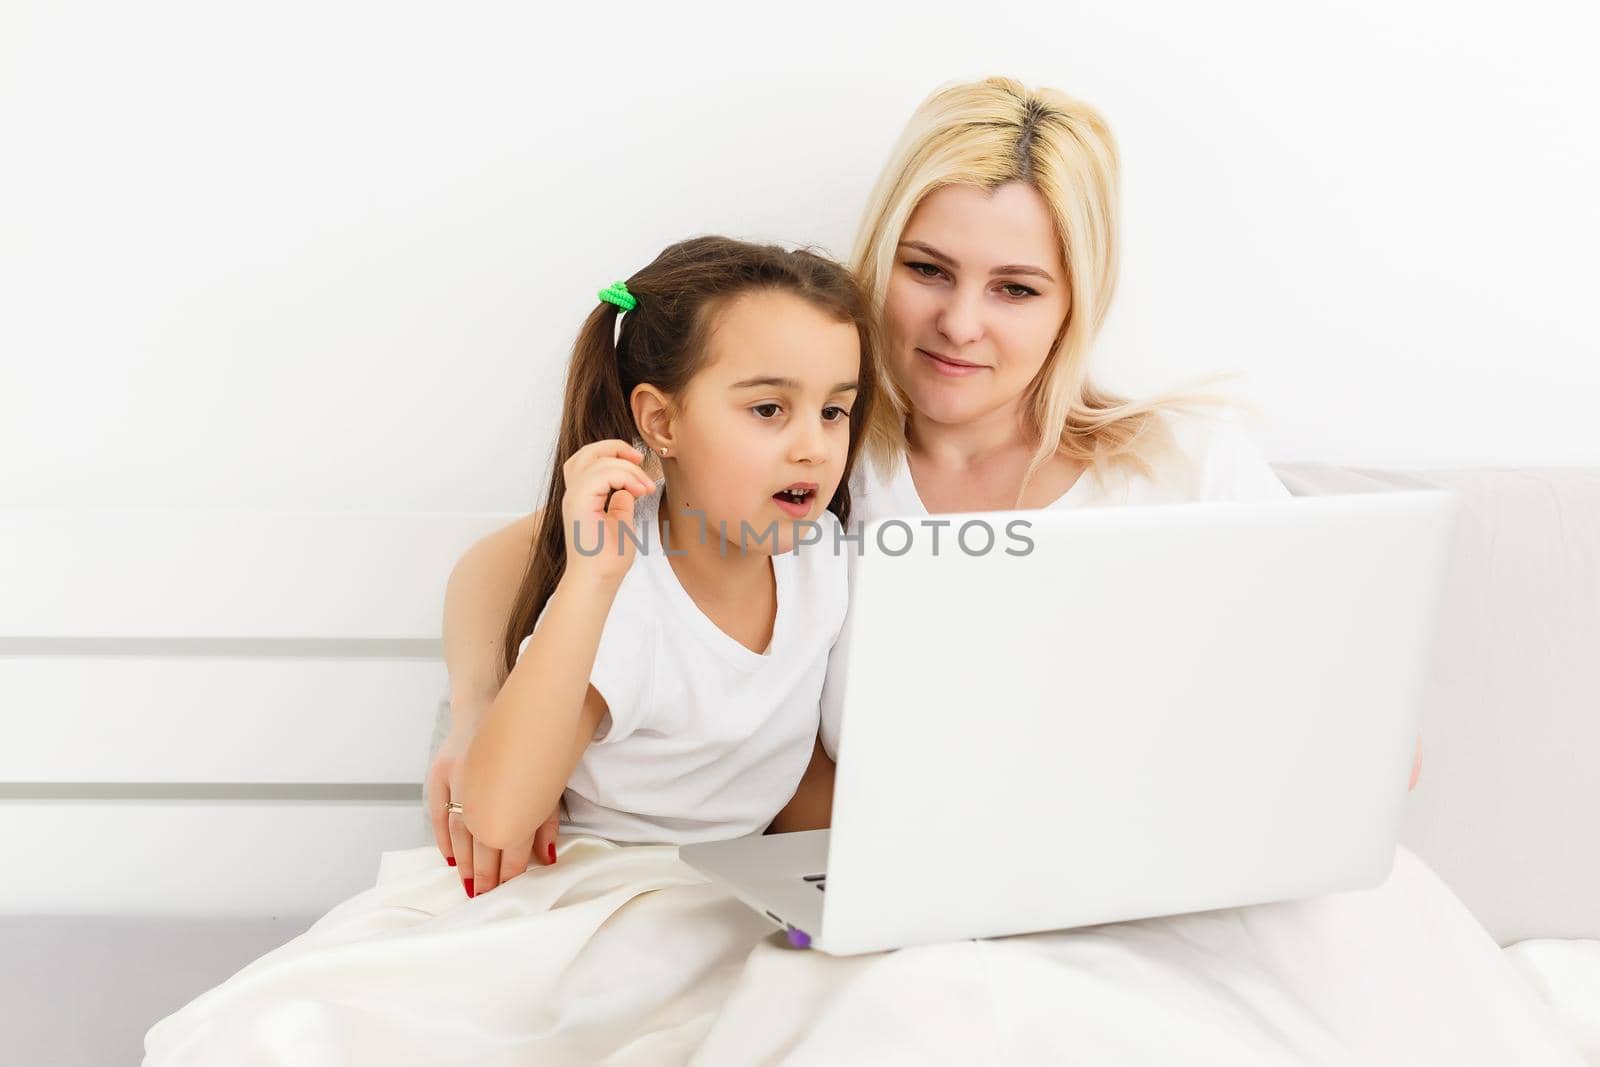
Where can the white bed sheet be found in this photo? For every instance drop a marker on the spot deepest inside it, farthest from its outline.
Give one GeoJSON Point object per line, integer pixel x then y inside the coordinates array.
{"type": "Point", "coordinates": [1566, 975]}
{"type": "Point", "coordinates": [625, 956]}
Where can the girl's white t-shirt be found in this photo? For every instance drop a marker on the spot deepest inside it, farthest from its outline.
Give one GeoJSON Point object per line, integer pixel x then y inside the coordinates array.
{"type": "Point", "coordinates": [1214, 460]}
{"type": "Point", "coordinates": [704, 739]}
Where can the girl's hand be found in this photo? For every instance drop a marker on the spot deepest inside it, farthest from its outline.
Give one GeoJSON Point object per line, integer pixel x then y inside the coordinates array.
{"type": "Point", "coordinates": [480, 868]}
{"type": "Point", "coordinates": [603, 480]}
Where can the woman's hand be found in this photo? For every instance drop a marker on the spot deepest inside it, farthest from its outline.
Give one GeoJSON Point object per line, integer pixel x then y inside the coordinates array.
{"type": "Point", "coordinates": [488, 867]}
{"type": "Point", "coordinates": [603, 480]}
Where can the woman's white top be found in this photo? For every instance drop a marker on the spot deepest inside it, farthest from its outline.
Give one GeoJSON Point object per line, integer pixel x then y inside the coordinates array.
{"type": "Point", "coordinates": [704, 739]}
{"type": "Point", "coordinates": [1214, 460]}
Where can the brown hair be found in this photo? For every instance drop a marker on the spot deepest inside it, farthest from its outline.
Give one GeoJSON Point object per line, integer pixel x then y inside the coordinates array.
{"type": "Point", "coordinates": [663, 343]}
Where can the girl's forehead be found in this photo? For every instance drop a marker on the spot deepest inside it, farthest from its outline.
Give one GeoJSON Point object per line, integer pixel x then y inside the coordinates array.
{"type": "Point", "coordinates": [778, 334]}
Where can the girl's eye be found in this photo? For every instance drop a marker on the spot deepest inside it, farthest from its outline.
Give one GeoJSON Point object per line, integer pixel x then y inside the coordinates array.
{"type": "Point", "coordinates": [840, 413]}
{"type": "Point", "coordinates": [1019, 291]}
{"type": "Point", "coordinates": [926, 270]}
{"type": "Point", "coordinates": [759, 408]}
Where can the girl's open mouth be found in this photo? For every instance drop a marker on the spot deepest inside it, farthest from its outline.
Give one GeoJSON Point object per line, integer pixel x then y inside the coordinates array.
{"type": "Point", "coordinates": [796, 500]}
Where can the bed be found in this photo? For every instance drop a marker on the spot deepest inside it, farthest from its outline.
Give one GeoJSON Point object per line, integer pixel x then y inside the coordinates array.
{"type": "Point", "coordinates": [225, 720]}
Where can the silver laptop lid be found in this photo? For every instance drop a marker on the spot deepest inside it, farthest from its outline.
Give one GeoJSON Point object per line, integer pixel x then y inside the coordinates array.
{"type": "Point", "coordinates": [1150, 710]}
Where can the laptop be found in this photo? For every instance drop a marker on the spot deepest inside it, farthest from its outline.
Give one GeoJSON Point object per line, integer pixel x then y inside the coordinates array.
{"type": "Point", "coordinates": [1114, 713]}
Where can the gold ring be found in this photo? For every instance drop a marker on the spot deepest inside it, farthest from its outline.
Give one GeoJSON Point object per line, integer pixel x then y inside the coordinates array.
{"type": "Point", "coordinates": [452, 807]}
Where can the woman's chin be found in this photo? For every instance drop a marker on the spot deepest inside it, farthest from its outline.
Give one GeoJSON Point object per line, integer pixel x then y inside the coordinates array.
{"type": "Point", "coordinates": [945, 406]}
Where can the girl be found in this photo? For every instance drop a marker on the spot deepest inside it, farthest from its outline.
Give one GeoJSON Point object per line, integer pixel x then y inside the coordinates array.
{"type": "Point", "coordinates": [673, 635]}
{"type": "Point", "coordinates": [668, 690]}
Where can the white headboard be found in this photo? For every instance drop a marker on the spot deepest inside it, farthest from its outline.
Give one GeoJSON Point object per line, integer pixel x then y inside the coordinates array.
{"type": "Point", "coordinates": [215, 712]}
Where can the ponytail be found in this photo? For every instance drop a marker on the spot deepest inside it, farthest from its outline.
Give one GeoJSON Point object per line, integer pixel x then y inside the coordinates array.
{"type": "Point", "coordinates": [595, 408]}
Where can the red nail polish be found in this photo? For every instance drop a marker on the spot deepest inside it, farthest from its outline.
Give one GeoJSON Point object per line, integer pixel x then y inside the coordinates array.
{"type": "Point", "coordinates": [552, 852]}
{"type": "Point", "coordinates": [468, 883]}
{"type": "Point", "coordinates": [451, 860]}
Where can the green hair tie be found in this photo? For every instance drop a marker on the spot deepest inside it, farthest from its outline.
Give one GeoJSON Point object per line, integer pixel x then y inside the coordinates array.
{"type": "Point", "coordinates": [617, 293]}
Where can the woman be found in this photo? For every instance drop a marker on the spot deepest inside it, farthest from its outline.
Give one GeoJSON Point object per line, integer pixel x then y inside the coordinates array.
{"type": "Point", "coordinates": [990, 244]}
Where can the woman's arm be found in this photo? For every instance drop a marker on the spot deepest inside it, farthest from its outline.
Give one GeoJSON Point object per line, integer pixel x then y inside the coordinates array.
{"type": "Point", "coordinates": [477, 602]}
{"type": "Point", "coordinates": [535, 731]}
{"type": "Point", "coordinates": [811, 807]}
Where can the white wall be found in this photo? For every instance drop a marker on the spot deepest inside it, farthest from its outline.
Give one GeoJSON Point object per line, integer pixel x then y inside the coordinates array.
{"type": "Point", "coordinates": [314, 255]}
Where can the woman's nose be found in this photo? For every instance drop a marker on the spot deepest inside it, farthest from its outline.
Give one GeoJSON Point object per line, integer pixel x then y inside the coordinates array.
{"type": "Point", "coordinates": [960, 320]}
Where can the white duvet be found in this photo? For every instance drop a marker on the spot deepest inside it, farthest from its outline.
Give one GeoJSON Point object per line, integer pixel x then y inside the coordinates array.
{"type": "Point", "coordinates": [623, 955]}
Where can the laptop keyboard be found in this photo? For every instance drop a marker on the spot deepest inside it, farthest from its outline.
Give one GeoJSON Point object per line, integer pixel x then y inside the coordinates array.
{"type": "Point", "coordinates": [819, 880]}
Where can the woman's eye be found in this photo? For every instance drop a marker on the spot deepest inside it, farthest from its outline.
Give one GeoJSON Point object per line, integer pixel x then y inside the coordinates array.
{"type": "Point", "coordinates": [759, 408]}
{"type": "Point", "coordinates": [926, 270]}
{"type": "Point", "coordinates": [1013, 289]}
{"type": "Point", "coordinates": [837, 413]}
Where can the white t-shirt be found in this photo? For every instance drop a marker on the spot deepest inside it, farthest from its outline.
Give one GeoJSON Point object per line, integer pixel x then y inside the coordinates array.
{"type": "Point", "coordinates": [1214, 460]}
{"type": "Point", "coordinates": [704, 739]}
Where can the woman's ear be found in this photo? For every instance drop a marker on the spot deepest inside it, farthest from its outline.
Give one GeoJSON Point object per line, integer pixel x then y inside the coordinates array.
{"type": "Point", "coordinates": [653, 414]}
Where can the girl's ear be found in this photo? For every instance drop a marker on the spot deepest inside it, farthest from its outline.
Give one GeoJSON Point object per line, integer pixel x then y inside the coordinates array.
{"type": "Point", "coordinates": [653, 414]}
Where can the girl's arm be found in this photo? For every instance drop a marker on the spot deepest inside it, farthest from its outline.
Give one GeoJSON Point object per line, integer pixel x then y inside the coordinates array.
{"type": "Point", "coordinates": [477, 602]}
{"type": "Point", "coordinates": [537, 728]}
{"type": "Point", "coordinates": [811, 807]}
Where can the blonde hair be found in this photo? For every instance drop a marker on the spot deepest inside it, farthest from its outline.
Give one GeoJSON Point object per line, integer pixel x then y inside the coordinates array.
{"type": "Point", "coordinates": [987, 134]}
